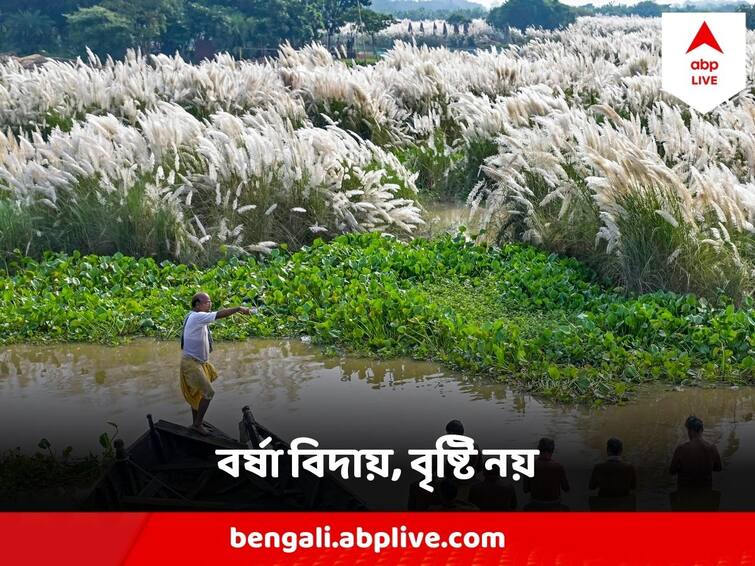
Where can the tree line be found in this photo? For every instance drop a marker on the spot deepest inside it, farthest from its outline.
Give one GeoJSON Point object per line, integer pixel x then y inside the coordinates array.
{"type": "Point", "coordinates": [110, 27]}
{"type": "Point", "coordinates": [551, 14]}
{"type": "Point", "coordinates": [248, 28]}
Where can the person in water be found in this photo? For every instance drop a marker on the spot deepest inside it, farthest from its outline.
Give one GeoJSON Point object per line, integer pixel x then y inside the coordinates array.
{"type": "Point", "coordinates": [549, 480]}
{"type": "Point", "coordinates": [614, 477]}
{"type": "Point", "coordinates": [493, 493]}
{"type": "Point", "coordinates": [695, 461]}
{"type": "Point", "coordinates": [197, 373]}
{"type": "Point", "coordinates": [693, 465]}
{"type": "Point", "coordinates": [457, 427]}
{"type": "Point", "coordinates": [475, 461]}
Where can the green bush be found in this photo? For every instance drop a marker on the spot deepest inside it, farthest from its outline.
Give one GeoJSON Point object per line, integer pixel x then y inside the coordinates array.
{"type": "Point", "coordinates": [16, 229]}
{"type": "Point", "coordinates": [656, 254]}
{"type": "Point", "coordinates": [100, 222]}
{"type": "Point", "coordinates": [651, 253]}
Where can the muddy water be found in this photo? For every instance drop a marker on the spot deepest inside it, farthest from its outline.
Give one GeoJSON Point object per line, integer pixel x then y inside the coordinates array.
{"type": "Point", "coordinates": [448, 217]}
{"type": "Point", "coordinates": [67, 393]}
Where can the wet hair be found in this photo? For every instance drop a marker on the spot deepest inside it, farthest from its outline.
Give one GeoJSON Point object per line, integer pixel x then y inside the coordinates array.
{"type": "Point", "coordinates": [546, 445]}
{"type": "Point", "coordinates": [455, 427]}
{"type": "Point", "coordinates": [448, 490]}
{"type": "Point", "coordinates": [614, 446]}
{"type": "Point", "coordinates": [196, 299]}
{"type": "Point", "coordinates": [694, 424]}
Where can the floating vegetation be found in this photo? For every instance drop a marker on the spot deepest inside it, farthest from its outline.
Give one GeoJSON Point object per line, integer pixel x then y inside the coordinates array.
{"type": "Point", "coordinates": [516, 314]}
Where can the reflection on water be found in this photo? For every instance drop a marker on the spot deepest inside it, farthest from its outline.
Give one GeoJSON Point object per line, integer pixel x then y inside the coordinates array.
{"type": "Point", "coordinates": [448, 216]}
{"type": "Point", "coordinates": [67, 393]}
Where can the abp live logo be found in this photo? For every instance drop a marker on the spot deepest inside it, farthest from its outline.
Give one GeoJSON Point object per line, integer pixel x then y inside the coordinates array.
{"type": "Point", "coordinates": [703, 57]}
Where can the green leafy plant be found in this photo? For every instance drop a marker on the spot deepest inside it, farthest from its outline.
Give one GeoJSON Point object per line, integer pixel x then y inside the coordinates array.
{"type": "Point", "coordinates": [106, 440]}
{"type": "Point", "coordinates": [517, 314]}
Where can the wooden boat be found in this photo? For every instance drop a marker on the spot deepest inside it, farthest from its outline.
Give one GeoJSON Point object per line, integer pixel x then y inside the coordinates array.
{"type": "Point", "coordinates": [173, 467]}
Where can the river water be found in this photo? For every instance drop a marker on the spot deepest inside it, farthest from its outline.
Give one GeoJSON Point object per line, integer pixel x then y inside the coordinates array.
{"type": "Point", "coordinates": [443, 217]}
{"type": "Point", "coordinates": [67, 393]}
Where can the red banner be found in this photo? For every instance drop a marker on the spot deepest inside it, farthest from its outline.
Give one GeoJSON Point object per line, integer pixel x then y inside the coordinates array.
{"type": "Point", "coordinates": [377, 538]}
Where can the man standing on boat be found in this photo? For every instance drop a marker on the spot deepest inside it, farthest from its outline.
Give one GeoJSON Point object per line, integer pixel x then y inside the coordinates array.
{"type": "Point", "coordinates": [197, 373]}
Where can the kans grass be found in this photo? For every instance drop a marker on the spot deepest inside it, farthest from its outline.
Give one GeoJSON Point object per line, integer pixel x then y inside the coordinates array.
{"type": "Point", "coordinates": [563, 142]}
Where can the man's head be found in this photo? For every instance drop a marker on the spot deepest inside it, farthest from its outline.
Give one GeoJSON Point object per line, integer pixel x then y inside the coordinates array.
{"type": "Point", "coordinates": [455, 427]}
{"type": "Point", "coordinates": [614, 447]}
{"type": "Point", "coordinates": [694, 426]}
{"type": "Point", "coordinates": [546, 446]}
{"type": "Point", "coordinates": [201, 302]}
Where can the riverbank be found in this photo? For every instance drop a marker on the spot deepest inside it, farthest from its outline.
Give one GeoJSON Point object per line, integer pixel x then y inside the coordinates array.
{"type": "Point", "coordinates": [535, 321]}
{"type": "Point", "coordinates": [296, 390]}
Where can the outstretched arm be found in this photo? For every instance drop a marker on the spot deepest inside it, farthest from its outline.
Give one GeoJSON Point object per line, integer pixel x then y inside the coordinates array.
{"type": "Point", "coordinates": [223, 313]}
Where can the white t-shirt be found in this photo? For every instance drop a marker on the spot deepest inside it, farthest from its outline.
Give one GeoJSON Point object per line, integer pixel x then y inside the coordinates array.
{"type": "Point", "coordinates": [196, 335]}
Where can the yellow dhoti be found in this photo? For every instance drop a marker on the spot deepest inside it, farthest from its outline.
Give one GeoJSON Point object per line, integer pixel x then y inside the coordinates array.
{"type": "Point", "coordinates": [196, 378]}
